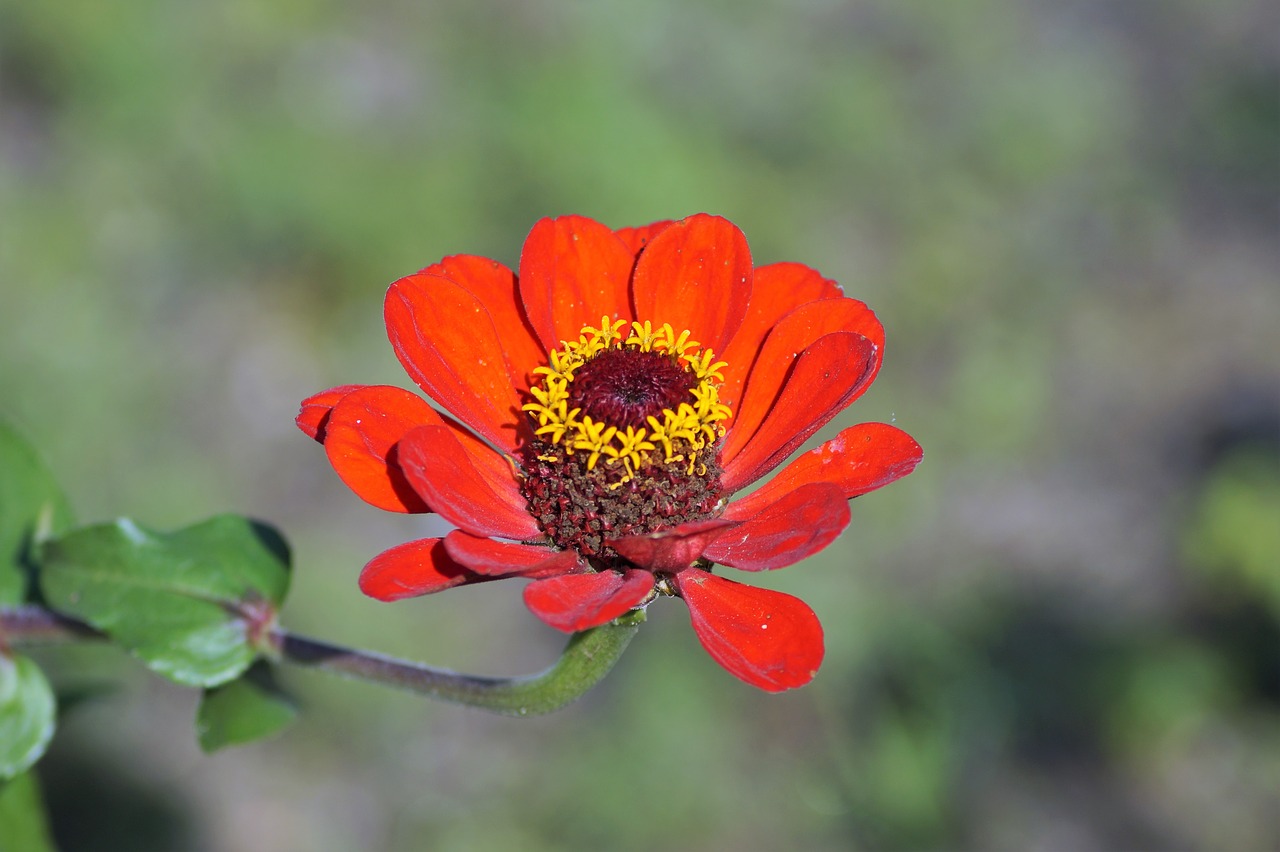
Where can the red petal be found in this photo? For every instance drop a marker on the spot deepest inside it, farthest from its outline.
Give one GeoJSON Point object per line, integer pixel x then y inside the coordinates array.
{"type": "Point", "coordinates": [784, 532]}
{"type": "Point", "coordinates": [504, 558]}
{"type": "Point", "coordinates": [825, 378]}
{"type": "Point", "coordinates": [361, 437]}
{"type": "Point", "coordinates": [696, 275]}
{"type": "Point", "coordinates": [573, 271]}
{"type": "Point", "coordinates": [581, 601]}
{"type": "Point", "coordinates": [636, 239]}
{"type": "Point", "coordinates": [476, 491]}
{"type": "Point", "coordinates": [411, 569]}
{"type": "Point", "coordinates": [446, 340]}
{"type": "Point", "coordinates": [495, 286]}
{"type": "Point", "coordinates": [862, 458]}
{"type": "Point", "coordinates": [793, 334]}
{"type": "Point", "coordinates": [776, 290]}
{"type": "Point", "coordinates": [766, 638]}
{"type": "Point", "coordinates": [314, 414]}
{"type": "Point", "coordinates": [671, 550]}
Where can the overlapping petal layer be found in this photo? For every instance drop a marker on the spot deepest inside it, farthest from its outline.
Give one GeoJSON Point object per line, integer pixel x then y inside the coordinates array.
{"type": "Point", "coordinates": [491, 558]}
{"type": "Point", "coordinates": [824, 378]}
{"type": "Point", "coordinates": [494, 286]}
{"type": "Point", "coordinates": [861, 458]}
{"type": "Point", "coordinates": [476, 491]}
{"type": "Point", "coordinates": [768, 639]}
{"type": "Point", "coordinates": [582, 601]}
{"type": "Point", "coordinates": [313, 414]}
{"type": "Point", "coordinates": [799, 329]}
{"type": "Point", "coordinates": [776, 290]}
{"type": "Point", "coordinates": [411, 569]}
{"type": "Point", "coordinates": [362, 437]}
{"type": "Point", "coordinates": [794, 527]}
{"type": "Point", "coordinates": [635, 239]}
{"type": "Point", "coordinates": [446, 339]}
{"type": "Point", "coordinates": [572, 272]}
{"type": "Point", "coordinates": [695, 274]}
{"type": "Point", "coordinates": [671, 550]}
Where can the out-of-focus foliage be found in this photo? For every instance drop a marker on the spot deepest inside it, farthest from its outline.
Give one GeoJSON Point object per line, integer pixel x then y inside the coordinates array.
{"type": "Point", "coordinates": [31, 505]}
{"type": "Point", "coordinates": [22, 816]}
{"type": "Point", "coordinates": [1061, 632]}
{"type": "Point", "coordinates": [26, 715]}
{"type": "Point", "coordinates": [194, 604]}
{"type": "Point", "coordinates": [244, 710]}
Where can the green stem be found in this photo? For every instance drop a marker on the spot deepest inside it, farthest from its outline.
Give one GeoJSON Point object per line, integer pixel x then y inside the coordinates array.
{"type": "Point", "coordinates": [586, 659]}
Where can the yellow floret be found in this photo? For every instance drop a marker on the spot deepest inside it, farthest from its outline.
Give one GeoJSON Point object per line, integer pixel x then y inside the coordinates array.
{"type": "Point", "coordinates": [631, 449]}
{"type": "Point", "coordinates": [642, 336]}
{"type": "Point", "coordinates": [679, 434]}
{"type": "Point", "coordinates": [593, 437]}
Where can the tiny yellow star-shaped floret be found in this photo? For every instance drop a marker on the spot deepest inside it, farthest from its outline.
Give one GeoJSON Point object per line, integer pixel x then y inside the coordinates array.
{"type": "Point", "coordinates": [679, 433]}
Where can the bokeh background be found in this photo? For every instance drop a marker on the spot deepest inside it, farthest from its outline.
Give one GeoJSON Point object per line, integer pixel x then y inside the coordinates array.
{"type": "Point", "coordinates": [1061, 633]}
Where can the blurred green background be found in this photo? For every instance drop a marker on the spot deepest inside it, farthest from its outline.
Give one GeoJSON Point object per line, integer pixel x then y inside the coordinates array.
{"type": "Point", "coordinates": [1061, 633]}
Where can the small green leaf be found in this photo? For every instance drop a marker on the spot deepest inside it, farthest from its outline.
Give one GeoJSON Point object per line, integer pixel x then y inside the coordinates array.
{"type": "Point", "coordinates": [248, 708]}
{"type": "Point", "coordinates": [27, 710]}
{"type": "Point", "coordinates": [195, 605]}
{"type": "Point", "coordinates": [30, 500]}
{"type": "Point", "coordinates": [23, 826]}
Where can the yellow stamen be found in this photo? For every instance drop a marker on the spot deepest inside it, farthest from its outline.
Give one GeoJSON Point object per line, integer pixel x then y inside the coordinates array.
{"type": "Point", "coordinates": [593, 437]}
{"type": "Point", "coordinates": [705, 368]}
{"type": "Point", "coordinates": [632, 449]}
{"type": "Point", "coordinates": [678, 434]}
{"type": "Point", "coordinates": [642, 336]}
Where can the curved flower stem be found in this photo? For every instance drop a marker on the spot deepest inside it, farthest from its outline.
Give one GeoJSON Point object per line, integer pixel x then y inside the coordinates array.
{"type": "Point", "coordinates": [586, 659]}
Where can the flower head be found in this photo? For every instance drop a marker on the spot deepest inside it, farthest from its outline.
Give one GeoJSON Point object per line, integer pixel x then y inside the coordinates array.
{"type": "Point", "coordinates": [603, 408]}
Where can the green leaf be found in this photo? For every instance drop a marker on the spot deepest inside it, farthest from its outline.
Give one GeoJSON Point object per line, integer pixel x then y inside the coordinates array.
{"type": "Point", "coordinates": [30, 500]}
{"type": "Point", "coordinates": [195, 605]}
{"type": "Point", "coordinates": [27, 710]}
{"type": "Point", "coordinates": [23, 827]}
{"type": "Point", "coordinates": [248, 708]}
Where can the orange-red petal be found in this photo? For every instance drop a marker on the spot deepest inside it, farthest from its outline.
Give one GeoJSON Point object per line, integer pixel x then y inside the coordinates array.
{"type": "Point", "coordinates": [776, 290]}
{"type": "Point", "coordinates": [790, 336]}
{"type": "Point", "coordinates": [314, 413]}
{"type": "Point", "coordinates": [582, 601]}
{"type": "Point", "coordinates": [671, 550]}
{"type": "Point", "coordinates": [361, 438]}
{"type": "Point", "coordinates": [573, 271]}
{"type": "Point", "coordinates": [769, 639]}
{"type": "Point", "coordinates": [475, 491]}
{"type": "Point", "coordinates": [696, 275]}
{"type": "Point", "coordinates": [446, 339]}
{"type": "Point", "coordinates": [509, 559]}
{"type": "Point", "coordinates": [861, 458]}
{"type": "Point", "coordinates": [826, 377]}
{"type": "Point", "coordinates": [411, 569]}
{"type": "Point", "coordinates": [635, 239]}
{"type": "Point", "coordinates": [495, 286]}
{"type": "Point", "coordinates": [796, 526]}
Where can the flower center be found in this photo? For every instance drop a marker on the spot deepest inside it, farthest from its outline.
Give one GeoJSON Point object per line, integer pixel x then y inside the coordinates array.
{"type": "Point", "coordinates": [627, 426]}
{"type": "Point", "coordinates": [625, 387]}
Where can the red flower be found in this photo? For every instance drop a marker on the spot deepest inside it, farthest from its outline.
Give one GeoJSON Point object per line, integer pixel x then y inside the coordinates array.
{"type": "Point", "coordinates": [604, 406]}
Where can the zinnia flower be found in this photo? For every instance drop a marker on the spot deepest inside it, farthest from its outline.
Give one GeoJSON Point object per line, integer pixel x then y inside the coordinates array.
{"type": "Point", "coordinates": [602, 409]}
